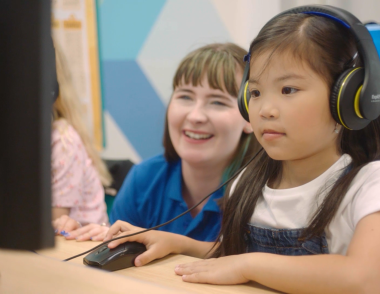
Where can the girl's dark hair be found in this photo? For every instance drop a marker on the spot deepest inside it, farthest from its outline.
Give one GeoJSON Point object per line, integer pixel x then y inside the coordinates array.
{"type": "Point", "coordinates": [219, 63]}
{"type": "Point", "coordinates": [327, 48]}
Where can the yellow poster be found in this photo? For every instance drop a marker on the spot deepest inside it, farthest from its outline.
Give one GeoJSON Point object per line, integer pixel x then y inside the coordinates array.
{"type": "Point", "coordinates": [75, 30]}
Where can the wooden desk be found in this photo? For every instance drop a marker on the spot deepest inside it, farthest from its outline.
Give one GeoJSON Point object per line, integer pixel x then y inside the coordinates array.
{"type": "Point", "coordinates": [26, 272]}
{"type": "Point", "coordinates": [156, 277]}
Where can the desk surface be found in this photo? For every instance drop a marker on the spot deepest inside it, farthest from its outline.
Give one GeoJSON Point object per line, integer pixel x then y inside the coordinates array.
{"type": "Point", "coordinates": [46, 269]}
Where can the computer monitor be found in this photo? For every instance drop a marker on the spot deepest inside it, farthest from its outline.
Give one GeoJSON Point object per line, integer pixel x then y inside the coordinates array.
{"type": "Point", "coordinates": [27, 78]}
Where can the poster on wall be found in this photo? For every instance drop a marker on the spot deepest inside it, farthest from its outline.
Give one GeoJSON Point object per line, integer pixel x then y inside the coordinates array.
{"type": "Point", "coordinates": [74, 28]}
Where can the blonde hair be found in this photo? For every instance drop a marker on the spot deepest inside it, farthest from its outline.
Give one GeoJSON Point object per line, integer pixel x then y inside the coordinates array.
{"type": "Point", "coordinates": [68, 107]}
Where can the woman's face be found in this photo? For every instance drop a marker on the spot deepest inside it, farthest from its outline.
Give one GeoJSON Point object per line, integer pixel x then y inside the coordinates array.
{"type": "Point", "coordinates": [289, 108]}
{"type": "Point", "coordinates": [205, 124]}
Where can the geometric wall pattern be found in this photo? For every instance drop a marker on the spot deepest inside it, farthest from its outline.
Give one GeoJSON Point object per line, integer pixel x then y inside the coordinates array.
{"type": "Point", "coordinates": [141, 42]}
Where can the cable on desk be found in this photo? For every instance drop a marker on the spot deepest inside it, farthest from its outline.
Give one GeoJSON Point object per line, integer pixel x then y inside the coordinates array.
{"type": "Point", "coordinates": [178, 216]}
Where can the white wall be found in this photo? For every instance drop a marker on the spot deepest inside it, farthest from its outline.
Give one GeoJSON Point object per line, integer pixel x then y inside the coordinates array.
{"type": "Point", "coordinates": [364, 10]}
{"type": "Point", "coordinates": [245, 18]}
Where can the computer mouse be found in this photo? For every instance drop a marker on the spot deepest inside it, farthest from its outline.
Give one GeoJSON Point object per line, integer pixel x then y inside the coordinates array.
{"type": "Point", "coordinates": [120, 257]}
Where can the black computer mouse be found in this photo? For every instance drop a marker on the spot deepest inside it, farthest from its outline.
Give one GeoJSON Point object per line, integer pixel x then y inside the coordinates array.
{"type": "Point", "coordinates": [118, 258]}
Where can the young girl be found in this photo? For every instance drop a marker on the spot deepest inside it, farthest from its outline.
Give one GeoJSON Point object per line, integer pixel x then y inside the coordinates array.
{"type": "Point", "coordinates": [77, 169]}
{"type": "Point", "coordinates": [205, 140]}
{"type": "Point", "coordinates": [304, 216]}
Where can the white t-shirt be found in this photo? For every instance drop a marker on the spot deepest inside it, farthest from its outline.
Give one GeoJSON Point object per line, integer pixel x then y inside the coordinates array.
{"type": "Point", "coordinates": [293, 208]}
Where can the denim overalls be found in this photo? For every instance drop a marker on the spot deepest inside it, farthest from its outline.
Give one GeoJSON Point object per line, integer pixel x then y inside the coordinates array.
{"type": "Point", "coordinates": [283, 242]}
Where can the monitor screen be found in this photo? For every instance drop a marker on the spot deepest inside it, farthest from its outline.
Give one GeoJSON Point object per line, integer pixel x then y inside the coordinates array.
{"type": "Point", "coordinates": [27, 79]}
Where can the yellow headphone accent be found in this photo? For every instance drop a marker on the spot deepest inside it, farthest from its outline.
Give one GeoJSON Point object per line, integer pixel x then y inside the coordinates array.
{"type": "Point", "coordinates": [245, 97]}
{"type": "Point", "coordinates": [340, 92]}
{"type": "Point", "coordinates": [356, 102]}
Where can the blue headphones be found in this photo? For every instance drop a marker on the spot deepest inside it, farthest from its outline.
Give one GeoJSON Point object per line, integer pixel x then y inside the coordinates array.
{"type": "Point", "coordinates": [355, 96]}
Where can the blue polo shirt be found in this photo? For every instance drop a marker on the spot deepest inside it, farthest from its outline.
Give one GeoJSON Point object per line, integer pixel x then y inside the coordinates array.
{"type": "Point", "coordinates": [151, 194]}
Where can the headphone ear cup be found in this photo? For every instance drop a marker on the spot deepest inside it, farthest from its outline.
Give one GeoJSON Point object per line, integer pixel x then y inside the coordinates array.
{"type": "Point", "coordinates": [334, 96]}
{"type": "Point", "coordinates": [243, 100]}
{"type": "Point", "coordinates": [344, 95]}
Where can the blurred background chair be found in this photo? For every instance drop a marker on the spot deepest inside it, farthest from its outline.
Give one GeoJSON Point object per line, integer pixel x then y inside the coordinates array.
{"type": "Point", "coordinates": [118, 170]}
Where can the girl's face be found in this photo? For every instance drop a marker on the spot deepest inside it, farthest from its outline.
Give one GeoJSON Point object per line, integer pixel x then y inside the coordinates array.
{"type": "Point", "coordinates": [289, 108]}
{"type": "Point", "coordinates": [204, 124]}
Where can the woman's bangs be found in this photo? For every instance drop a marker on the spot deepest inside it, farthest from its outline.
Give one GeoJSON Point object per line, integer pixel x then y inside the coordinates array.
{"type": "Point", "coordinates": [219, 68]}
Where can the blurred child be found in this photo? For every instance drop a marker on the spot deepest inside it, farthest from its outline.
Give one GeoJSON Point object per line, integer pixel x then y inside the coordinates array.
{"type": "Point", "coordinates": [78, 172]}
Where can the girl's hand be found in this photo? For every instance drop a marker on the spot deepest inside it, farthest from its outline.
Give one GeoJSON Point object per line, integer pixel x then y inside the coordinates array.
{"type": "Point", "coordinates": [92, 232]}
{"type": "Point", "coordinates": [65, 224]}
{"type": "Point", "coordinates": [158, 243]}
{"type": "Point", "coordinates": [228, 270]}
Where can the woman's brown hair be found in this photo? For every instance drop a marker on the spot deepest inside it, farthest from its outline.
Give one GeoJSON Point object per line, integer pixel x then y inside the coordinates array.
{"type": "Point", "coordinates": [327, 48]}
{"type": "Point", "coordinates": [219, 63]}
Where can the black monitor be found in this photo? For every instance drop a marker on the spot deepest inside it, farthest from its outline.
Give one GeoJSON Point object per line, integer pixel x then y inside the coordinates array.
{"type": "Point", "coordinates": [27, 78]}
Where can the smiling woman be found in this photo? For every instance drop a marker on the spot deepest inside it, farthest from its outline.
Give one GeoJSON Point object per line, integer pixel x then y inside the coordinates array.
{"type": "Point", "coordinates": [206, 140]}
{"type": "Point", "coordinates": [204, 116]}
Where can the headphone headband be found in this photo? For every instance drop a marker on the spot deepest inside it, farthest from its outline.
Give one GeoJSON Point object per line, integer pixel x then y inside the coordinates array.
{"type": "Point", "coordinates": [355, 96]}
{"type": "Point", "coordinates": [369, 102]}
